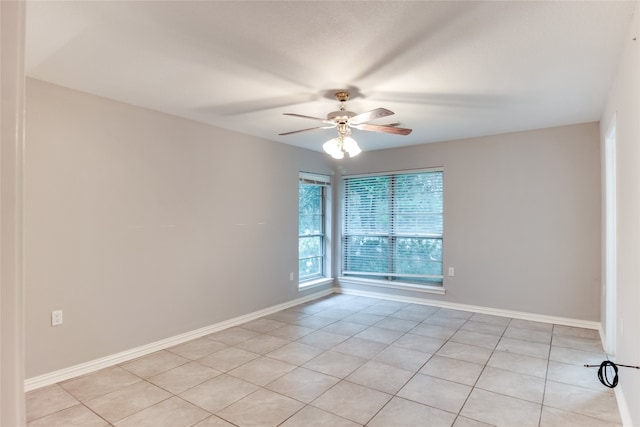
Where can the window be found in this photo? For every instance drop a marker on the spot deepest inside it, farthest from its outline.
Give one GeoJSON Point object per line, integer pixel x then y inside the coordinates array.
{"type": "Point", "coordinates": [312, 196]}
{"type": "Point", "coordinates": [392, 227]}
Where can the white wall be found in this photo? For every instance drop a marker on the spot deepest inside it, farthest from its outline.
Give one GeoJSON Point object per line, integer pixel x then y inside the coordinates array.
{"type": "Point", "coordinates": [141, 226]}
{"type": "Point", "coordinates": [12, 18]}
{"type": "Point", "coordinates": [521, 217]}
{"type": "Point", "coordinates": [624, 102]}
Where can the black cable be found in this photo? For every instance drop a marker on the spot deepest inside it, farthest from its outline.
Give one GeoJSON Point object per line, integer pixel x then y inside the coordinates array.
{"type": "Point", "coordinates": [604, 372]}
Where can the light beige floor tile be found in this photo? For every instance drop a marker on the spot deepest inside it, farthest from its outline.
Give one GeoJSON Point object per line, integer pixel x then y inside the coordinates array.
{"type": "Point", "coordinates": [48, 400]}
{"type": "Point", "coordinates": [576, 357]}
{"type": "Point", "coordinates": [227, 359]}
{"type": "Point", "coordinates": [574, 375]}
{"type": "Point", "coordinates": [576, 332]}
{"type": "Point", "coordinates": [489, 318]}
{"type": "Point", "coordinates": [262, 371]}
{"type": "Point", "coordinates": [286, 316]}
{"type": "Point", "coordinates": [232, 336]}
{"type": "Point", "coordinates": [454, 370]}
{"type": "Point", "coordinates": [173, 412]}
{"type": "Point", "coordinates": [453, 313]}
{"type": "Point", "coordinates": [261, 408]}
{"type": "Point", "coordinates": [502, 411]}
{"type": "Point", "coordinates": [592, 403]}
{"type": "Point", "coordinates": [403, 413]}
{"type": "Point", "coordinates": [336, 313]}
{"type": "Point", "coordinates": [184, 377]}
{"type": "Point", "coordinates": [381, 310]}
{"type": "Point", "coordinates": [219, 392]}
{"type": "Point", "coordinates": [404, 358]}
{"type": "Point", "coordinates": [434, 331]}
{"type": "Point", "coordinates": [522, 364]}
{"type": "Point", "coordinates": [323, 339]}
{"type": "Point", "coordinates": [262, 325]}
{"type": "Point", "coordinates": [552, 417]}
{"type": "Point", "coordinates": [155, 363]}
{"type": "Point", "coordinates": [526, 348]}
{"type": "Point", "coordinates": [335, 364]}
{"type": "Point", "coordinates": [214, 421]}
{"type": "Point", "coordinates": [420, 343]}
{"type": "Point", "coordinates": [128, 400]}
{"type": "Point", "coordinates": [75, 416]}
{"type": "Point", "coordinates": [512, 384]}
{"type": "Point", "coordinates": [295, 353]}
{"type": "Point", "coordinates": [382, 335]}
{"type": "Point", "coordinates": [468, 422]}
{"type": "Point", "coordinates": [396, 324]}
{"type": "Point", "coordinates": [420, 308]}
{"type": "Point", "coordinates": [466, 352]}
{"type": "Point", "coordinates": [314, 417]}
{"type": "Point", "coordinates": [352, 401]}
{"type": "Point", "coordinates": [360, 347]}
{"type": "Point", "coordinates": [411, 315]}
{"type": "Point", "coordinates": [315, 321]}
{"type": "Point", "coordinates": [435, 392]}
{"type": "Point", "coordinates": [445, 320]}
{"type": "Point", "coordinates": [262, 344]}
{"type": "Point", "coordinates": [381, 377]}
{"type": "Point", "coordinates": [344, 327]}
{"type": "Point", "coordinates": [576, 343]}
{"type": "Point", "coordinates": [303, 384]}
{"type": "Point", "coordinates": [195, 349]}
{"type": "Point", "coordinates": [531, 325]}
{"type": "Point", "coordinates": [475, 338]}
{"type": "Point", "coordinates": [290, 332]}
{"type": "Point", "coordinates": [483, 327]}
{"type": "Point", "coordinates": [543, 337]}
{"type": "Point", "coordinates": [364, 318]}
{"type": "Point", "coordinates": [99, 383]}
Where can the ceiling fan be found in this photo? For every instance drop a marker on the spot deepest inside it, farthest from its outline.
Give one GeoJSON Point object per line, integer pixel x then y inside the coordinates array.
{"type": "Point", "coordinates": [344, 121]}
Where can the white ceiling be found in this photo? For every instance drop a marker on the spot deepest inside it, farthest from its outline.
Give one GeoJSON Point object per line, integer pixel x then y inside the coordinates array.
{"type": "Point", "coordinates": [448, 70]}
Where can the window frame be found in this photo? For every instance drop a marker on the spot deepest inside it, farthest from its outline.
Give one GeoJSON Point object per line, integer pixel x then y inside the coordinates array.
{"type": "Point", "coordinates": [392, 278]}
{"type": "Point", "coordinates": [324, 277]}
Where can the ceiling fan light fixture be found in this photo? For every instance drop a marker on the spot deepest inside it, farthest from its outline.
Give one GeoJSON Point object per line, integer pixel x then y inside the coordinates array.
{"type": "Point", "coordinates": [351, 146]}
{"type": "Point", "coordinates": [336, 147]}
{"type": "Point", "coordinates": [332, 147]}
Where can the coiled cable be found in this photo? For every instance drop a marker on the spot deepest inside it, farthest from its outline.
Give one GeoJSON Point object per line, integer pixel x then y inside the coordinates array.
{"type": "Point", "coordinates": [605, 370]}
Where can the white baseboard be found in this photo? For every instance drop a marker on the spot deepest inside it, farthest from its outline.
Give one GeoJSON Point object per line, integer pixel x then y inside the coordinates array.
{"type": "Point", "coordinates": [479, 309]}
{"type": "Point", "coordinates": [134, 353]}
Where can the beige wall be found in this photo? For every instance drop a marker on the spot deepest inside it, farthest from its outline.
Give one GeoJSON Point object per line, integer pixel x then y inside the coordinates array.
{"type": "Point", "coordinates": [624, 102]}
{"type": "Point", "coordinates": [522, 218]}
{"type": "Point", "coordinates": [141, 226]}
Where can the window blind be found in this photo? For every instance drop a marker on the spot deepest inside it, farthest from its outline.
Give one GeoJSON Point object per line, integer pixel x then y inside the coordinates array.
{"type": "Point", "coordinates": [393, 226]}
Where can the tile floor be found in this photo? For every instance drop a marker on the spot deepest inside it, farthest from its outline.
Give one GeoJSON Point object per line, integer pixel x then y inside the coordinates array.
{"type": "Point", "coordinates": [347, 361]}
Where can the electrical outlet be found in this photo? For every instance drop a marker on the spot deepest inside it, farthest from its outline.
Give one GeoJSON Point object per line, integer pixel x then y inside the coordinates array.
{"type": "Point", "coordinates": [56, 318]}
{"type": "Point", "coordinates": [291, 276]}
{"type": "Point", "coordinates": [452, 272]}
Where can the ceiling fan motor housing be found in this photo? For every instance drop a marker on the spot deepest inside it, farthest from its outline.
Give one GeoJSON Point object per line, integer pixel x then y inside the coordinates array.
{"type": "Point", "coordinates": [340, 117]}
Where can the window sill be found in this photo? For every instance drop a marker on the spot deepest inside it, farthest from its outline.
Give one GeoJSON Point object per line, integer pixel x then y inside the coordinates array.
{"type": "Point", "coordinates": [393, 285]}
{"type": "Point", "coordinates": [315, 283]}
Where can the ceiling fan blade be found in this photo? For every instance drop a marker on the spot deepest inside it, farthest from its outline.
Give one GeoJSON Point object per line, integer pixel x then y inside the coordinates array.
{"type": "Point", "coordinates": [304, 130]}
{"type": "Point", "coordinates": [384, 128]}
{"type": "Point", "coordinates": [370, 115]}
{"type": "Point", "coordinates": [308, 117]}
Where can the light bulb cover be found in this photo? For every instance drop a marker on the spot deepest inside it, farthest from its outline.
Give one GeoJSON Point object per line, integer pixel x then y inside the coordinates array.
{"type": "Point", "coordinates": [351, 147]}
